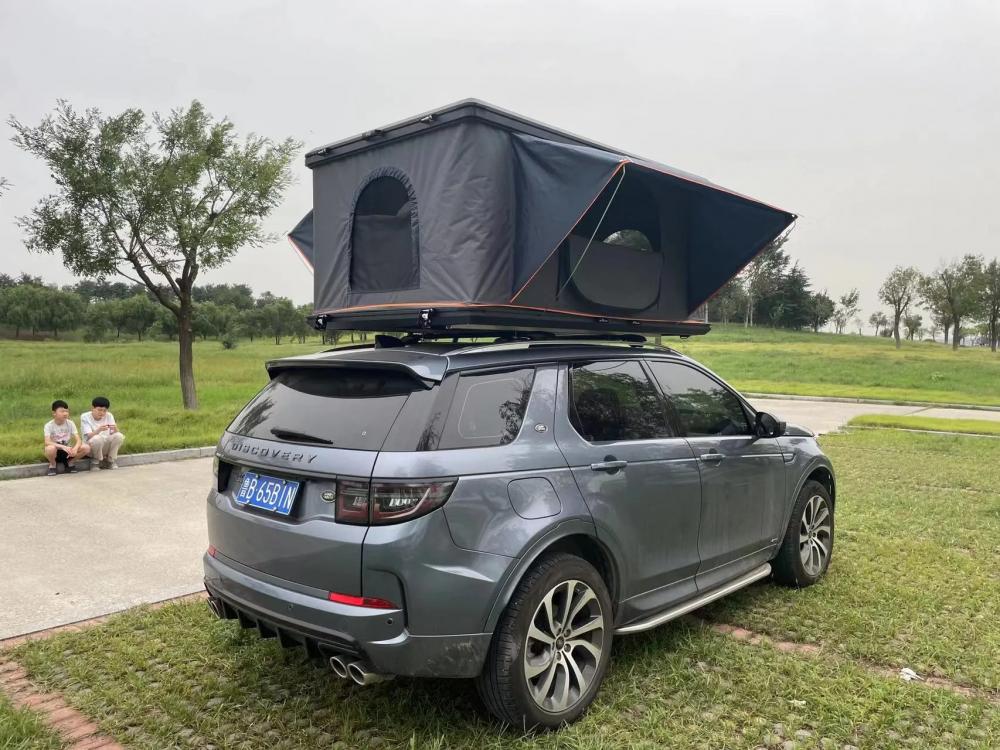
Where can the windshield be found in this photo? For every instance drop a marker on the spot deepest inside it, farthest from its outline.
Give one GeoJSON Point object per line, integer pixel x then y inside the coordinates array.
{"type": "Point", "coordinates": [340, 407]}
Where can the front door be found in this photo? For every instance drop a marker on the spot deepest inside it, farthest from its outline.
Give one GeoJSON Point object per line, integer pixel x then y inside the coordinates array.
{"type": "Point", "coordinates": [640, 481]}
{"type": "Point", "coordinates": [742, 476]}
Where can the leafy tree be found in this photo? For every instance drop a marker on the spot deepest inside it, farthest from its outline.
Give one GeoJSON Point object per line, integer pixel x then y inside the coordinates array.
{"type": "Point", "coordinates": [878, 321]}
{"type": "Point", "coordinates": [212, 319]}
{"type": "Point", "coordinates": [158, 210]}
{"type": "Point", "coordinates": [59, 310]}
{"type": "Point", "coordinates": [789, 303]}
{"type": "Point", "coordinates": [93, 291]}
{"type": "Point", "coordinates": [139, 313]}
{"type": "Point", "coordinates": [280, 317]}
{"type": "Point", "coordinates": [21, 306]}
{"type": "Point", "coordinates": [913, 323]}
{"type": "Point", "coordinates": [898, 291]}
{"type": "Point", "coordinates": [763, 274]}
{"type": "Point", "coordinates": [303, 328]}
{"type": "Point", "coordinates": [239, 296]}
{"type": "Point", "coordinates": [954, 289]}
{"type": "Point", "coordinates": [821, 309]}
{"type": "Point", "coordinates": [846, 310]}
{"type": "Point", "coordinates": [166, 323]}
{"type": "Point", "coordinates": [989, 292]}
{"type": "Point", "coordinates": [728, 302]}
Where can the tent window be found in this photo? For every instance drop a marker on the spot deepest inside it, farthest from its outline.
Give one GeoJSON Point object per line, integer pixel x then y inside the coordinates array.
{"type": "Point", "coordinates": [633, 238]}
{"type": "Point", "coordinates": [384, 253]}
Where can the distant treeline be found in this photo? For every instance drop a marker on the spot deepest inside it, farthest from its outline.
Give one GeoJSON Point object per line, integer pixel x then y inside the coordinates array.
{"type": "Point", "coordinates": [101, 311]}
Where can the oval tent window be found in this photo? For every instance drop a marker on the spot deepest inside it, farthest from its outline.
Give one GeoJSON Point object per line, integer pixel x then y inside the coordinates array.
{"type": "Point", "coordinates": [384, 238]}
{"type": "Point", "coordinates": [630, 238]}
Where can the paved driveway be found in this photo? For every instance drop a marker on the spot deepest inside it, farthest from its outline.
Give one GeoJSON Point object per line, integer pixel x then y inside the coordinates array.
{"type": "Point", "coordinates": [74, 547]}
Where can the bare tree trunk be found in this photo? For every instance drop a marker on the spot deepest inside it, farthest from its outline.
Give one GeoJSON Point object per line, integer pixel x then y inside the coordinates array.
{"type": "Point", "coordinates": [185, 339]}
{"type": "Point", "coordinates": [947, 327]}
{"type": "Point", "coordinates": [955, 336]}
{"type": "Point", "coordinates": [895, 327]}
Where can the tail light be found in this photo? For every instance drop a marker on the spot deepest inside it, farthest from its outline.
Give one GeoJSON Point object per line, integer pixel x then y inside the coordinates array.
{"type": "Point", "coordinates": [383, 502]}
{"type": "Point", "coordinates": [222, 470]}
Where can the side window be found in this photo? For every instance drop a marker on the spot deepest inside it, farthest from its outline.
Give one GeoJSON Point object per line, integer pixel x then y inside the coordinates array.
{"type": "Point", "coordinates": [704, 406]}
{"type": "Point", "coordinates": [384, 253]}
{"type": "Point", "coordinates": [615, 401]}
{"type": "Point", "coordinates": [487, 409]}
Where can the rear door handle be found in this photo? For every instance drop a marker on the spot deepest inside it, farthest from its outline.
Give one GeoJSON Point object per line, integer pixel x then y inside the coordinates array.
{"type": "Point", "coordinates": [711, 458]}
{"type": "Point", "coordinates": [609, 466]}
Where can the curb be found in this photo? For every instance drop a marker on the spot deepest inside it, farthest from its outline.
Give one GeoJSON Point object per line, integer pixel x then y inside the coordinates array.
{"type": "Point", "coordinates": [879, 401]}
{"type": "Point", "coordinates": [22, 471]}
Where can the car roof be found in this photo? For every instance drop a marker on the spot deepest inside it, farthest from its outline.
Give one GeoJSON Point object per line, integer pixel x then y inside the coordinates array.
{"type": "Point", "coordinates": [432, 360]}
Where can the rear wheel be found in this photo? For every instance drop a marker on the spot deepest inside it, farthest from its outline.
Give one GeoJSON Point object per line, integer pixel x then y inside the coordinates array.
{"type": "Point", "coordinates": [808, 544]}
{"type": "Point", "coordinates": [551, 647]}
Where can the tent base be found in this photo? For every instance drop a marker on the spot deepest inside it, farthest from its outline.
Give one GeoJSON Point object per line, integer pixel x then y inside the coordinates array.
{"type": "Point", "coordinates": [483, 318]}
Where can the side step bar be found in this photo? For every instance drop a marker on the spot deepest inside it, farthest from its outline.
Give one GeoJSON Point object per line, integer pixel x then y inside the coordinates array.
{"type": "Point", "coordinates": [682, 609]}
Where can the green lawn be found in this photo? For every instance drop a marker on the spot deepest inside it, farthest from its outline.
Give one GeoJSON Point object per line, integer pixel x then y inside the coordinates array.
{"type": "Point", "coordinates": [913, 583]}
{"type": "Point", "coordinates": [933, 424]}
{"type": "Point", "coordinates": [23, 730]}
{"type": "Point", "coordinates": [141, 379]}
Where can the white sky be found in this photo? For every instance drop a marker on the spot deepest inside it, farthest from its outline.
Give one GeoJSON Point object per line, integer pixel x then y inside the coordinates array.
{"type": "Point", "coordinates": [877, 122]}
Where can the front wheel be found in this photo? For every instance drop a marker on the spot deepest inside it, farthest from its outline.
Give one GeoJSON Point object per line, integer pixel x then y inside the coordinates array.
{"type": "Point", "coordinates": [808, 544]}
{"type": "Point", "coordinates": [551, 647]}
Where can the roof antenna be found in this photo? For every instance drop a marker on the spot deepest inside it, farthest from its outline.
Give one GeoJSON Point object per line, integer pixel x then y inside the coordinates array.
{"type": "Point", "coordinates": [592, 236]}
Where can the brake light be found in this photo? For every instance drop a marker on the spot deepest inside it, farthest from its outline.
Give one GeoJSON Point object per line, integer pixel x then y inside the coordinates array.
{"type": "Point", "coordinates": [352, 502]}
{"type": "Point", "coordinates": [399, 501]}
{"type": "Point", "coordinates": [383, 501]}
{"type": "Point", "coordinates": [371, 602]}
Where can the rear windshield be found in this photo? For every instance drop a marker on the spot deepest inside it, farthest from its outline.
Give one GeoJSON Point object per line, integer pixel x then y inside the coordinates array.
{"type": "Point", "coordinates": [349, 408]}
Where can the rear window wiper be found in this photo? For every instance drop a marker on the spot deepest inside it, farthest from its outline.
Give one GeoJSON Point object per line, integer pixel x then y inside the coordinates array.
{"type": "Point", "coordinates": [282, 433]}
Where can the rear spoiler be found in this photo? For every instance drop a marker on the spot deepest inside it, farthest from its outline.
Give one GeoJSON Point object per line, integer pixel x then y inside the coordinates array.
{"type": "Point", "coordinates": [427, 369]}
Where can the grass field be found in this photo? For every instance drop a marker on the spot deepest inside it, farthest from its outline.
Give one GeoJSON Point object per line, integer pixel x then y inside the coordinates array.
{"type": "Point", "coordinates": [913, 583]}
{"type": "Point", "coordinates": [934, 424]}
{"type": "Point", "coordinates": [23, 730]}
{"type": "Point", "coordinates": [141, 379]}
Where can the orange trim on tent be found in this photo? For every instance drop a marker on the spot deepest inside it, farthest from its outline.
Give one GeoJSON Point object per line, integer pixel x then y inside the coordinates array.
{"type": "Point", "coordinates": [473, 305]}
{"type": "Point", "coordinates": [302, 256]}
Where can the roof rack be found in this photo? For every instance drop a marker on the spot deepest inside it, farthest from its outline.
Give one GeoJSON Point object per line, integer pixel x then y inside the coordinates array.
{"type": "Point", "coordinates": [529, 338]}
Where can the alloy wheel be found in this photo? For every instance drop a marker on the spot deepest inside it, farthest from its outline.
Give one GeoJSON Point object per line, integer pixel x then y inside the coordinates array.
{"type": "Point", "coordinates": [815, 535]}
{"type": "Point", "coordinates": [564, 646]}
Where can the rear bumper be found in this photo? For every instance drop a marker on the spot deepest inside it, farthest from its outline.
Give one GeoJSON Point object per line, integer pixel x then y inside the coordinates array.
{"type": "Point", "coordinates": [325, 628]}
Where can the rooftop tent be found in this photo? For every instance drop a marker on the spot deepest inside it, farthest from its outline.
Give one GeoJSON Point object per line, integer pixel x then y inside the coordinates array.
{"type": "Point", "coordinates": [470, 217]}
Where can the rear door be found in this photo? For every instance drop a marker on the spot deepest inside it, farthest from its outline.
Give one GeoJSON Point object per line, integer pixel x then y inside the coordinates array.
{"type": "Point", "coordinates": [639, 480]}
{"type": "Point", "coordinates": [314, 426]}
{"type": "Point", "coordinates": [742, 476]}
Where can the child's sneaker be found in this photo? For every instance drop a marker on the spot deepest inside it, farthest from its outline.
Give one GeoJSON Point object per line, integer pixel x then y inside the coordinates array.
{"type": "Point", "coordinates": [51, 472]}
{"type": "Point", "coordinates": [71, 469]}
{"type": "Point", "coordinates": [112, 464]}
{"type": "Point", "coordinates": [104, 464]}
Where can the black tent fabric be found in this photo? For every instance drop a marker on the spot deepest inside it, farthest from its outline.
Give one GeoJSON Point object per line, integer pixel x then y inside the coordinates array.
{"type": "Point", "coordinates": [470, 216]}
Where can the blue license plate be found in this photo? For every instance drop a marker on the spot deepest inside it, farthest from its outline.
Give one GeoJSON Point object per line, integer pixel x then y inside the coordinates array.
{"type": "Point", "coordinates": [267, 493]}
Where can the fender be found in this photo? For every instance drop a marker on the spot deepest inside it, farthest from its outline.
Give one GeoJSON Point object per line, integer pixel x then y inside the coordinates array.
{"type": "Point", "coordinates": [570, 527]}
{"type": "Point", "coordinates": [815, 463]}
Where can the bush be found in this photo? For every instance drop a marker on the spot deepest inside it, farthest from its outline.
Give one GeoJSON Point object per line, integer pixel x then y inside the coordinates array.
{"type": "Point", "coordinates": [229, 341]}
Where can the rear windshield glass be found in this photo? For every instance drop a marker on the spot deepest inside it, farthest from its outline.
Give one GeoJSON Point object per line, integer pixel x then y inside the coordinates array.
{"type": "Point", "coordinates": [337, 407]}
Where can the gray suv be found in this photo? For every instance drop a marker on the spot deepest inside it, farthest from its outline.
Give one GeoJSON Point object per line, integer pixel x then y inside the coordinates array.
{"type": "Point", "coordinates": [501, 511]}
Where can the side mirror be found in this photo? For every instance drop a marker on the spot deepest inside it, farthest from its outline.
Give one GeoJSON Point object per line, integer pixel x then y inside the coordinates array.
{"type": "Point", "coordinates": [768, 426]}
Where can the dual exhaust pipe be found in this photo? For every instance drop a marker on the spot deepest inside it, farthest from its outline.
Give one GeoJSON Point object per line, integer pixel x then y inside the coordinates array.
{"type": "Point", "coordinates": [358, 670]}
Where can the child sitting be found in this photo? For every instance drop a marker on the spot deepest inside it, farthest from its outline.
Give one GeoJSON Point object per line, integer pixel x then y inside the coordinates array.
{"type": "Point", "coordinates": [62, 441]}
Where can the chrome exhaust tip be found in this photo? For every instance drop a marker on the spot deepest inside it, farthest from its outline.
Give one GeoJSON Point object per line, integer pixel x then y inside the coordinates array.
{"type": "Point", "coordinates": [339, 666]}
{"type": "Point", "coordinates": [361, 672]}
{"type": "Point", "coordinates": [216, 606]}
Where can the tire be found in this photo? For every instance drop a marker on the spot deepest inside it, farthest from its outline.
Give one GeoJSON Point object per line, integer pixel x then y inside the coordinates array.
{"type": "Point", "coordinates": [807, 548]}
{"type": "Point", "coordinates": [523, 652]}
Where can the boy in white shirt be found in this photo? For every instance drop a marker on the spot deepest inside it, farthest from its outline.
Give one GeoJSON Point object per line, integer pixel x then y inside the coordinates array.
{"type": "Point", "coordinates": [101, 431]}
{"type": "Point", "coordinates": [62, 441]}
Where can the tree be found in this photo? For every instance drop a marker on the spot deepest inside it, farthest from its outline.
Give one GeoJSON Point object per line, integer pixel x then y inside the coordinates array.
{"type": "Point", "coordinates": [93, 291]}
{"type": "Point", "coordinates": [156, 211]}
{"type": "Point", "coordinates": [762, 274]}
{"type": "Point", "coordinates": [139, 313]}
{"type": "Point", "coordinates": [280, 317]}
{"type": "Point", "coordinates": [788, 305]}
{"type": "Point", "coordinates": [239, 296]}
{"type": "Point", "coordinates": [954, 290]}
{"type": "Point", "coordinates": [989, 292]}
{"type": "Point", "coordinates": [21, 305]}
{"type": "Point", "coordinates": [898, 291]}
{"type": "Point", "coordinates": [846, 310]}
{"type": "Point", "coordinates": [878, 321]}
{"type": "Point", "coordinates": [166, 323]}
{"type": "Point", "coordinates": [913, 323]}
{"type": "Point", "coordinates": [728, 301]}
{"type": "Point", "coordinates": [303, 328]}
{"type": "Point", "coordinates": [58, 310]}
{"type": "Point", "coordinates": [821, 309]}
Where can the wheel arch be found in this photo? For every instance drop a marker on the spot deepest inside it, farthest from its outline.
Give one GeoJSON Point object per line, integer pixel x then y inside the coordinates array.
{"type": "Point", "coordinates": [824, 475]}
{"type": "Point", "coordinates": [576, 537]}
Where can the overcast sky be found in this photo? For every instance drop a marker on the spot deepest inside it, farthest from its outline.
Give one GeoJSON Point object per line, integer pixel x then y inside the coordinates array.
{"type": "Point", "coordinates": [877, 122]}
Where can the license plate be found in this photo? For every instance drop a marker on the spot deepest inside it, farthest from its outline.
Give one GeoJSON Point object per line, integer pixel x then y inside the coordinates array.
{"type": "Point", "coordinates": [267, 493]}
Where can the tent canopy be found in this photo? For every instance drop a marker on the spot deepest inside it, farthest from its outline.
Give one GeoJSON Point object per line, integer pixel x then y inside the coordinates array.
{"type": "Point", "coordinates": [470, 216]}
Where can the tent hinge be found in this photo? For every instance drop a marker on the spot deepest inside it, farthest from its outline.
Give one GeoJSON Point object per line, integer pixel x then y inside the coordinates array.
{"type": "Point", "coordinates": [319, 322]}
{"type": "Point", "coordinates": [424, 319]}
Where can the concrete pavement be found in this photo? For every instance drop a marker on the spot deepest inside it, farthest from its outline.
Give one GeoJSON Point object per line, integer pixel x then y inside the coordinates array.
{"type": "Point", "coordinates": [76, 546]}
{"type": "Point", "coordinates": [83, 545]}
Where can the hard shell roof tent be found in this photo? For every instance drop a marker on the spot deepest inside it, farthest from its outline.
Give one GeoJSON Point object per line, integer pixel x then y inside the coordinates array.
{"type": "Point", "coordinates": [472, 217]}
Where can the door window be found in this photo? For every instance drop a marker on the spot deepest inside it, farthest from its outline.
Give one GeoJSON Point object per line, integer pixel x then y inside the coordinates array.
{"type": "Point", "coordinates": [704, 406]}
{"type": "Point", "coordinates": [487, 409]}
{"type": "Point", "coordinates": [615, 401]}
